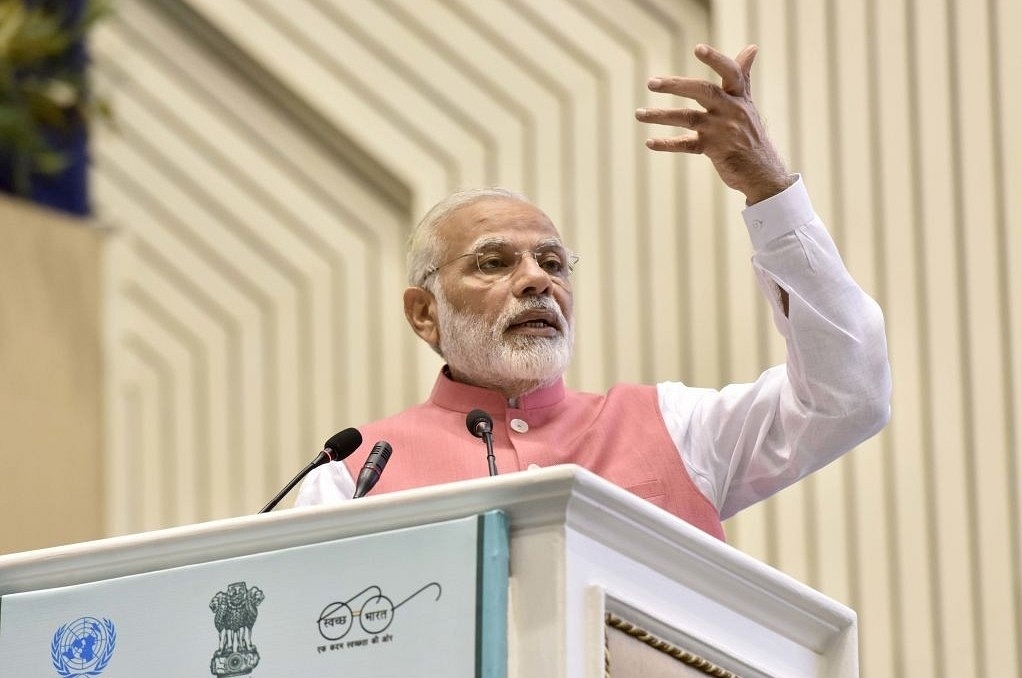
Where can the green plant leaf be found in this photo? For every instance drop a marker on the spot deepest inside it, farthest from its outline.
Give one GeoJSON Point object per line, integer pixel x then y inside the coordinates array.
{"type": "Point", "coordinates": [50, 162]}
{"type": "Point", "coordinates": [45, 110]}
{"type": "Point", "coordinates": [38, 95]}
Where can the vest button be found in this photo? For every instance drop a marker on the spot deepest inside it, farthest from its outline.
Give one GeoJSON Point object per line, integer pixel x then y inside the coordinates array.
{"type": "Point", "coordinates": [519, 425]}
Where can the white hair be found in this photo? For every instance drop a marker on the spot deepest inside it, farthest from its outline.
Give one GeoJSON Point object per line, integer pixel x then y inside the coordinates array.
{"type": "Point", "coordinates": [424, 247]}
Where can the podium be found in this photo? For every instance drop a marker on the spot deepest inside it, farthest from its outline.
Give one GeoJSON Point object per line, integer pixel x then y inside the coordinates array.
{"type": "Point", "coordinates": [552, 572]}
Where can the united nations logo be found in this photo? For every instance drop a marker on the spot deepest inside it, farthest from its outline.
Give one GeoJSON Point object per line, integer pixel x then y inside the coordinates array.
{"type": "Point", "coordinates": [83, 647]}
{"type": "Point", "coordinates": [234, 614]}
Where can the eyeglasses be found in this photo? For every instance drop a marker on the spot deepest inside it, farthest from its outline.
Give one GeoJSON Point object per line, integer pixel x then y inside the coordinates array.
{"type": "Point", "coordinates": [497, 263]}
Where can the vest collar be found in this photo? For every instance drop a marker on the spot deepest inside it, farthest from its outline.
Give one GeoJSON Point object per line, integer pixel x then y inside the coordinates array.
{"type": "Point", "coordinates": [453, 395]}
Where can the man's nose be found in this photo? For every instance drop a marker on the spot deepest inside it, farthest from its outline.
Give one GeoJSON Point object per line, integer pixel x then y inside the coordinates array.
{"type": "Point", "coordinates": [529, 277]}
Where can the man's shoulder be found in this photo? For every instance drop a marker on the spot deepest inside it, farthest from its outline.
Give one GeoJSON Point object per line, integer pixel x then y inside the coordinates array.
{"type": "Point", "coordinates": [411, 416]}
{"type": "Point", "coordinates": [620, 391]}
{"type": "Point", "coordinates": [424, 424]}
{"type": "Point", "coordinates": [630, 387]}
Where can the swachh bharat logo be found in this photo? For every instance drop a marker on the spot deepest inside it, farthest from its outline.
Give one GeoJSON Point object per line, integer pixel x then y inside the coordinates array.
{"type": "Point", "coordinates": [83, 647]}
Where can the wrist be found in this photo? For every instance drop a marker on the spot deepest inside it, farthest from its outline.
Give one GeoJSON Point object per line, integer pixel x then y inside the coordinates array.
{"type": "Point", "coordinates": [768, 187]}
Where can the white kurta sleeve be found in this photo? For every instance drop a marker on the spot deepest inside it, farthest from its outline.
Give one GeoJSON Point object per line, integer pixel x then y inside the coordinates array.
{"type": "Point", "coordinates": [745, 442]}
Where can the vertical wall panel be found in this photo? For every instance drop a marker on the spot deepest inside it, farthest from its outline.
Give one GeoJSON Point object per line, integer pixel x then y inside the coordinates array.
{"type": "Point", "coordinates": [913, 609]}
{"type": "Point", "coordinates": [986, 393]}
{"type": "Point", "coordinates": [51, 377]}
{"type": "Point", "coordinates": [947, 368]}
{"type": "Point", "coordinates": [1005, 55]}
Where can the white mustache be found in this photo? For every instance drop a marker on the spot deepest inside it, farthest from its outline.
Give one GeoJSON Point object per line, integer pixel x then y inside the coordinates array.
{"type": "Point", "coordinates": [518, 306]}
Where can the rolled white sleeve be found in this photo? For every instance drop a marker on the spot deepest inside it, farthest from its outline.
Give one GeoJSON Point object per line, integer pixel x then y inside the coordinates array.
{"type": "Point", "coordinates": [746, 442]}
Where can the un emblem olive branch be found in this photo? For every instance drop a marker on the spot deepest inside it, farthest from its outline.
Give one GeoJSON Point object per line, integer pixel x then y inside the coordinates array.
{"type": "Point", "coordinates": [102, 659]}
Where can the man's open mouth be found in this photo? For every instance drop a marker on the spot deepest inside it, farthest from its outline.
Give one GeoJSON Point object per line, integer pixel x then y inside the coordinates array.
{"type": "Point", "coordinates": [538, 320]}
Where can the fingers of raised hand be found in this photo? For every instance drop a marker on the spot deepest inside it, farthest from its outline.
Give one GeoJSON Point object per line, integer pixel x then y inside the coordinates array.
{"type": "Point", "coordinates": [745, 59]}
{"type": "Point", "coordinates": [677, 117]}
{"type": "Point", "coordinates": [689, 144]}
{"type": "Point", "coordinates": [734, 73]}
{"type": "Point", "coordinates": [705, 93]}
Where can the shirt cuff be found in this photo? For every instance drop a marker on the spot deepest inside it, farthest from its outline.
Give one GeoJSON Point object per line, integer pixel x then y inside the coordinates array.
{"type": "Point", "coordinates": [779, 214]}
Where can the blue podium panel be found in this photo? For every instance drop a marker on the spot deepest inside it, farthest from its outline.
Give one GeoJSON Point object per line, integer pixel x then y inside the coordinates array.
{"type": "Point", "coordinates": [429, 600]}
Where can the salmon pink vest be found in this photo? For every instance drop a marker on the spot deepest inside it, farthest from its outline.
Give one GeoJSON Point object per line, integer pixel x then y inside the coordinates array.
{"type": "Point", "coordinates": [620, 436]}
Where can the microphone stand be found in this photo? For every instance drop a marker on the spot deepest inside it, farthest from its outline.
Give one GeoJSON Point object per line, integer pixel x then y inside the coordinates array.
{"type": "Point", "coordinates": [491, 460]}
{"type": "Point", "coordinates": [337, 448]}
{"type": "Point", "coordinates": [290, 486]}
{"type": "Point", "coordinates": [480, 424]}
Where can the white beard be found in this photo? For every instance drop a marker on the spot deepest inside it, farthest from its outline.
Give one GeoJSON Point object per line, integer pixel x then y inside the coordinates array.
{"type": "Point", "coordinates": [485, 356]}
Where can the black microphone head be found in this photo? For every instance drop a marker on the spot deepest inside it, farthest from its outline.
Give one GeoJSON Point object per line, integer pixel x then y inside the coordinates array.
{"type": "Point", "coordinates": [479, 423]}
{"type": "Point", "coordinates": [381, 452]}
{"type": "Point", "coordinates": [372, 469]}
{"type": "Point", "coordinates": [343, 443]}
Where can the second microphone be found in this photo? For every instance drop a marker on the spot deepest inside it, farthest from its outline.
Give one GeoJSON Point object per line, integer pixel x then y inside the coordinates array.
{"type": "Point", "coordinates": [372, 469]}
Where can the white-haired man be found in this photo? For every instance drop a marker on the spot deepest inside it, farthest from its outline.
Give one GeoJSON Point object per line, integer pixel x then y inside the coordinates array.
{"type": "Point", "coordinates": [490, 291]}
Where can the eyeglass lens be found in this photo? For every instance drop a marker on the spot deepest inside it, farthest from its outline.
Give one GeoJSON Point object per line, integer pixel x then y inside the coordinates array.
{"type": "Point", "coordinates": [500, 262]}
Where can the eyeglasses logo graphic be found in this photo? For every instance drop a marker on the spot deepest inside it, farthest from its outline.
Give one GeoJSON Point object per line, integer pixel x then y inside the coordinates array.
{"type": "Point", "coordinates": [375, 614]}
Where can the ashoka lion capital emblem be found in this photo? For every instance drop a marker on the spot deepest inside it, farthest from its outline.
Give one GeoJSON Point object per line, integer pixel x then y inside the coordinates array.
{"type": "Point", "coordinates": [234, 613]}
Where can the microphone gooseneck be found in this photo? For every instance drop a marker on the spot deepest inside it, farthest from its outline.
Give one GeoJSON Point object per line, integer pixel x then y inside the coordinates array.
{"type": "Point", "coordinates": [372, 469]}
{"type": "Point", "coordinates": [480, 424]}
{"type": "Point", "coordinates": [338, 447]}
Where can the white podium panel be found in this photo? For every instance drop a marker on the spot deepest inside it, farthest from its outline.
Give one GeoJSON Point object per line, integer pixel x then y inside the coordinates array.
{"type": "Point", "coordinates": [422, 600]}
{"type": "Point", "coordinates": [590, 566]}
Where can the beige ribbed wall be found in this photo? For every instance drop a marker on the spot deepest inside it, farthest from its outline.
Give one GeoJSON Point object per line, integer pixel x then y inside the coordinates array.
{"type": "Point", "coordinates": [51, 377]}
{"type": "Point", "coordinates": [272, 157]}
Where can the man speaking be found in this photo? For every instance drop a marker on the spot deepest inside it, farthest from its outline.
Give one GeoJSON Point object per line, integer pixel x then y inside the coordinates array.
{"type": "Point", "coordinates": [491, 292]}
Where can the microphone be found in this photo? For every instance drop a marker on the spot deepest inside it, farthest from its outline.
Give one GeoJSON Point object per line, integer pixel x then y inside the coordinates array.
{"type": "Point", "coordinates": [480, 424]}
{"type": "Point", "coordinates": [338, 447]}
{"type": "Point", "coordinates": [372, 469]}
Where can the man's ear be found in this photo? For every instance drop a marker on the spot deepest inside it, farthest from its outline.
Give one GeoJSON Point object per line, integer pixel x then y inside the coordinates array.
{"type": "Point", "coordinates": [421, 312]}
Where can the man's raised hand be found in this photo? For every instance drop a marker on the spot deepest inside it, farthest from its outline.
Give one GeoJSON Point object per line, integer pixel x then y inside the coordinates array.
{"type": "Point", "coordinates": [728, 130]}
